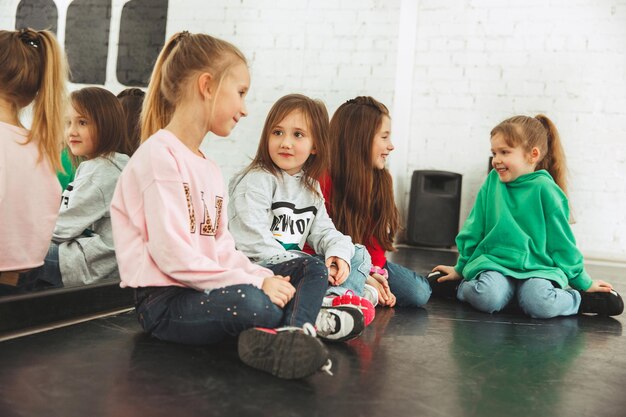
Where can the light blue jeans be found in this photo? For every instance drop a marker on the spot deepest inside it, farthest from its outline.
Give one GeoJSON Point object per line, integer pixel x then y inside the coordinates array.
{"type": "Point", "coordinates": [491, 291]}
{"type": "Point", "coordinates": [410, 289]}
{"type": "Point", "coordinates": [360, 266]}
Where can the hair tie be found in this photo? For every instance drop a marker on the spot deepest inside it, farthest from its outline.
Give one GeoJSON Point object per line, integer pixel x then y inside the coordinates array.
{"type": "Point", "coordinates": [29, 37]}
{"type": "Point", "coordinates": [182, 35]}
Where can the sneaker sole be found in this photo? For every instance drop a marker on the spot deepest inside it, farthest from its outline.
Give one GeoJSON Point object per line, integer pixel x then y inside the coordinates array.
{"type": "Point", "coordinates": [287, 355]}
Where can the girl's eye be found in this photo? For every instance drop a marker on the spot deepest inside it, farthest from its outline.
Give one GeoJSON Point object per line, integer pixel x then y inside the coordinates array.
{"type": "Point", "coordinates": [277, 132]}
{"type": "Point", "coordinates": [242, 93]}
{"type": "Point", "coordinates": [82, 122]}
{"type": "Point", "coordinates": [299, 134]}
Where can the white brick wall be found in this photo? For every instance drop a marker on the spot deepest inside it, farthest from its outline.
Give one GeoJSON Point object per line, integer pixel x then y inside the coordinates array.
{"type": "Point", "coordinates": [476, 63]}
{"type": "Point", "coordinates": [479, 62]}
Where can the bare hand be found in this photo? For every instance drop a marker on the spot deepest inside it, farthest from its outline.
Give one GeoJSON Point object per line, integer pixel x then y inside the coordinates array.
{"type": "Point", "coordinates": [385, 296]}
{"type": "Point", "coordinates": [599, 286]}
{"type": "Point", "coordinates": [338, 270]}
{"type": "Point", "coordinates": [278, 289]}
{"type": "Point", "coordinates": [449, 273]}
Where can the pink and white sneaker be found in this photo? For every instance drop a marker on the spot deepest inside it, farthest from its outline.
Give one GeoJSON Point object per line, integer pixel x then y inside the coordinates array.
{"type": "Point", "coordinates": [349, 298]}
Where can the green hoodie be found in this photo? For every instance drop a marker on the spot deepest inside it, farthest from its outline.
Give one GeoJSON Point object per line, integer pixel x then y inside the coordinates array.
{"type": "Point", "coordinates": [521, 230]}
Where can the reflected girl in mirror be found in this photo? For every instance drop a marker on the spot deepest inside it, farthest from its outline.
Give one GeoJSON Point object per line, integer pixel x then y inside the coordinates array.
{"type": "Point", "coordinates": [82, 249]}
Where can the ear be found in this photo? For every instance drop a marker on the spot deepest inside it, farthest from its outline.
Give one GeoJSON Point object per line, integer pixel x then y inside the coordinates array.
{"type": "Point", "coordinates": [535, 153]}
{"type": "Point", "coordinates": [205, 85]}
{"type": "Point", "coordinates": [313, 151]}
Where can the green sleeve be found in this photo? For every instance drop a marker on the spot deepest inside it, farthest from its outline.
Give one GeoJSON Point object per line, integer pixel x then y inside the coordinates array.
{"type": "Point", "coordinates": [472, 232]}
{"type": "Point", "coordinates": [66, 176]}
{"type": "Point", "coordinates": [561, 247]}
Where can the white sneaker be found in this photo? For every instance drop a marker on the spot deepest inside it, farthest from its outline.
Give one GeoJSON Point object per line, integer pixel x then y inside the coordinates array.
{"type": "Point", "coordinates": [371, 294]}
{"type": "Point", "coordinates": [341, 323]}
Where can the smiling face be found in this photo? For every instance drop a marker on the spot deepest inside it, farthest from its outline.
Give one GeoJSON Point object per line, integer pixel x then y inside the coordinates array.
{"type": "Point", "coordinates": [512, 162]}
{"type": "Point", "coordinates": [79, 134]}
{"type": "Point", "coordinates": [291, 143]}
{"type": "Point", "coordinates": [230, 103]}
{"type": "Point", "coordinates": [382, 145]}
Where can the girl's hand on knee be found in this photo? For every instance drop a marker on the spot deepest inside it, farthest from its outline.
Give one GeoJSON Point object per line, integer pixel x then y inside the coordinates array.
{"type": "Point", "coordinates": [385, 296]}
{"type": "Point", "coordinates": [278, 289]}
{"type": "Point", "coordinates": [449, 273]}
{"type": "Point", "coordinates": [338, 270]}
{"type": "Point", "coordinates": [599, 286]}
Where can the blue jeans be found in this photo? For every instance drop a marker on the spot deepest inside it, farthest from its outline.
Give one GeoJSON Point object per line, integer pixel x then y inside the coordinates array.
{"type": "Point", "coordinates": [491, 291]}
{"type": "Point", "coordinates": [360, 266]}
{"type": "Point", "coordinates": [185, 315]}
{"type": "Point", "coordinates": [410, 289]}
{"type": "Point", "coordinates": [44, 277]}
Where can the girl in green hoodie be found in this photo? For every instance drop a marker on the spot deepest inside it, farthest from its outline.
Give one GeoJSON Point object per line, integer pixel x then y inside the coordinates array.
{"type": "Point", "coordinates": [517, 241]}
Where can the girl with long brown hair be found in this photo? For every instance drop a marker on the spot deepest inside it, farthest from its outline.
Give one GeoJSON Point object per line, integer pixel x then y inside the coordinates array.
{"type": "Point", "coordinates": [517, 241]}
{"type": "Point", "coordinates": [81, 251]}
{"type": "Point", "coordinates": [276, 207]}
{"type": "Point", "coordinates": [359, 196]}
{"type": "Point", "coordinates": [32, 70]}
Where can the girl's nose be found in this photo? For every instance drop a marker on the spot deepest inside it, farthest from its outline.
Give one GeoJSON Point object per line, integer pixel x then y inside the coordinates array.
{"type": "Point", "coordinates": [244, 110]}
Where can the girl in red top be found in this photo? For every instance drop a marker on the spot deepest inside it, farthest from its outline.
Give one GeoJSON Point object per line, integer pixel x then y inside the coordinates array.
{"type": "Point", "coordinates": [360, 133]}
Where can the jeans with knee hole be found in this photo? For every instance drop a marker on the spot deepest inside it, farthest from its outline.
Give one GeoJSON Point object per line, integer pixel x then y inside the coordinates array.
{"type": "Point", "coordinates": [185, 315]}
{"type": "Point", "coordinates": [491, 291]}
{"type": "Point", "coordinates": [410, 289]}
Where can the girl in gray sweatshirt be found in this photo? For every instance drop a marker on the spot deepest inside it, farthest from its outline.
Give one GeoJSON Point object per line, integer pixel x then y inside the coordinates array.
{"type": "Point", "coordinates": [276, 206]}
{"type": "Point", "coordinates": [82, 251]}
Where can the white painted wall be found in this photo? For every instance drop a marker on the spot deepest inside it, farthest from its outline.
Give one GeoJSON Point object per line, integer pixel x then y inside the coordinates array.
{"type": "Point", "coordinates": [471, 64]}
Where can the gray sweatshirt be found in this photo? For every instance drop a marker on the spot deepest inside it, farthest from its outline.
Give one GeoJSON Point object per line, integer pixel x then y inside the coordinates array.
{"type": "Point", "coordinates": [270, 217]}
{"type": "Point", "coordinates": [83, 228]}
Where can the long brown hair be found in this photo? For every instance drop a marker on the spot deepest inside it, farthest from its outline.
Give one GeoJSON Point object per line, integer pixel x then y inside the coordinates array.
{"type": "Point", "coordinates": [131, 100]}
{"type": "Point", "coordinates": [108, 125]}
{"type": "Point", "coordinates": [540, 132]}
{"type": "Point", "coordinates": [33, 68]}
{"type": "Point", "coordinates": [362, 202]}
{"type": "Point", "coordinates": [184, 55]}
{"type": "Point", "coordinates": [316, 116]}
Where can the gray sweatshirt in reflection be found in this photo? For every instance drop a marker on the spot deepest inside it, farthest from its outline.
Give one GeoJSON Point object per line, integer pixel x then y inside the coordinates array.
{"type": "Point", "coordinates": [83, 229]}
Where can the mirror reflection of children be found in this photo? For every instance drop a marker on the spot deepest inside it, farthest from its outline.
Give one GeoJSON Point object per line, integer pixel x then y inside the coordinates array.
{"type": "Point", "coordinates": [82, 250]}
{"type": "Point", "coordinates": [517, 241]}
{"type": "Point", "coordinates": [33, 70]}
{"type": "Point", "coordinates": [131, 100]}
{"type": "Point", "coordinates": [169, 216]}
{"type": "Point", "coordinates": [276, 206]}
{"type": "Point", "coordinates": [359, 196]}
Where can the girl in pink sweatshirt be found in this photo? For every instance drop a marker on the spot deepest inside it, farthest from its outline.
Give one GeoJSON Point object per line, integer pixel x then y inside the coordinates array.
{"type": "Point", "coordinates": [32, 70]}
{"type": "Point", "coordinates": [170, 229]}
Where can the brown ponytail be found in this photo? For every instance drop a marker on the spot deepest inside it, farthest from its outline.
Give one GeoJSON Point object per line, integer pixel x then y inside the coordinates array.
{"type": "Point", "coordinates": [34, 68]}
{"type": "Point", "coordinates": [554, 162]}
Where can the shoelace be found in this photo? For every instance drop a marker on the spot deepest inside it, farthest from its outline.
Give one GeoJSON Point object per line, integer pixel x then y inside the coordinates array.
{"type": "Point", "coordinates": [327, 366]}
{"type": "Point", "coordinates": [309, 329]}
{"type": "Point", "coordinates": [327, 323]}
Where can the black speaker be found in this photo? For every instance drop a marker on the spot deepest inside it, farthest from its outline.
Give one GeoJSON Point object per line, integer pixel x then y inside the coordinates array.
{"type": "Point", "coordinates": [434, 208]}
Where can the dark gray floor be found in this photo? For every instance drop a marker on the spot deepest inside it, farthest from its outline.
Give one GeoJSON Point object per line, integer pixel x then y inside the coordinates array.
{"type": "Point", "coordinates": [446, 360]}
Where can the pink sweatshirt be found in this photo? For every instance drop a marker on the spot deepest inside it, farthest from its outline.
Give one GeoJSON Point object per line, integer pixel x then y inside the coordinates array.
{"type": "Point", "coordinates": [169, 221]}
{"type": "Point", "coordinates": [30, 195]}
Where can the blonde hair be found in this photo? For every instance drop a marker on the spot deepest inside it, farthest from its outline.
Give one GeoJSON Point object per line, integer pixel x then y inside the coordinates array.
{"type": "Point", "coordinates": [316, 116]}
{"type": "Point", "coordinates": [33, 68]}
{"type": "Point", "coordinates": [184, 55]}
{"type": "Point", "coordinates": [540, 132]}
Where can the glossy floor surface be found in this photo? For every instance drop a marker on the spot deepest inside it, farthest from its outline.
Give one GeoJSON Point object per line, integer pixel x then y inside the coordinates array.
{"type": "Point", "coordinates": [445, 360]}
